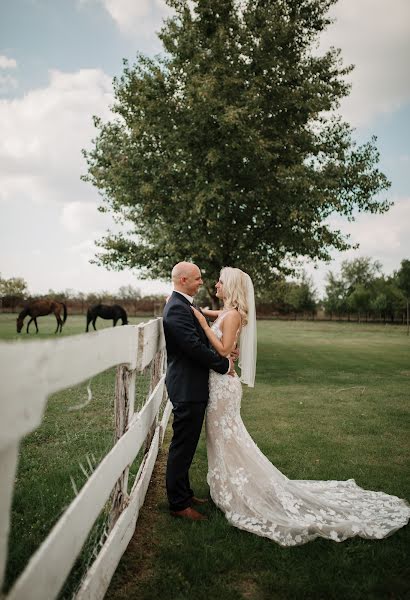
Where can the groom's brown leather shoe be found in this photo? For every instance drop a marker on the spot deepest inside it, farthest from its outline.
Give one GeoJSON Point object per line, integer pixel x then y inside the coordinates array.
{"type": "Point", "coordinates": [189, 513]}
{"type": "Point", "coordinates": [198, 501]}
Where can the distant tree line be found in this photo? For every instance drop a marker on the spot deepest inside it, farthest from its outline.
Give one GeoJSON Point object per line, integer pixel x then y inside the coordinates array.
{"type": "Point", "coordinates": [360, 292]}
{"type": "Point", "coordinates": [14, 295]}
{"type": "Point", "coordinates": [288, 299]}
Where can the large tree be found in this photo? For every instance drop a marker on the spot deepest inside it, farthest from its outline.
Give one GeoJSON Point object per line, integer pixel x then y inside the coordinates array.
{"type": "Point", "coordinates": [359, 271]}
{"type": "Point", "coordinates": [227, 148]}
{"type": "Point", "coordinates": [15, 286]}
{"type": "Point", "coordinates": [12, 291]}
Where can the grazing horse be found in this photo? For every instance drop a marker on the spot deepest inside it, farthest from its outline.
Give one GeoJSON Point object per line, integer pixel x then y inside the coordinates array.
{"type": "Point", "coordinates": [41, 308]}
{"type": "Point", "coordinates": [114, 312]}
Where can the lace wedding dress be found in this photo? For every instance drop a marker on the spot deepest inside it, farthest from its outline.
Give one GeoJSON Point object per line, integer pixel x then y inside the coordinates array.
{"type": "Point", "coordinates": [257, 497]}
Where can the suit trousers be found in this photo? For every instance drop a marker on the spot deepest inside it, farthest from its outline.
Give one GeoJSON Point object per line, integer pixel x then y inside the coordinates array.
{"type": "Point", "coordinates": [187, 425]}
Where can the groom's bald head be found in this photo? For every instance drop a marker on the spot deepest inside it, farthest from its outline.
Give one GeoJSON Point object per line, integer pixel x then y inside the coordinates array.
{"type": "Point", "coordinates": [186, 278]}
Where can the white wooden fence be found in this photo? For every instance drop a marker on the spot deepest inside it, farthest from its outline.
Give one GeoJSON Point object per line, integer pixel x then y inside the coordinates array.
{"type": "Point", "coordinates": [32, 371]}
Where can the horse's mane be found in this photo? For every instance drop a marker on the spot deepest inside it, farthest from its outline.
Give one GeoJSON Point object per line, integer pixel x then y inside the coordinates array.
{"type": "Point", "coordinates": [23, 313]}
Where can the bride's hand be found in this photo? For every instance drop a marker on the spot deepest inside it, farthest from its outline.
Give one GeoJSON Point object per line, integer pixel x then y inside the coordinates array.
{"type": "Point", "coordinates": [200, 317]}
{"type": "Point", "coordinates": [235, 354]}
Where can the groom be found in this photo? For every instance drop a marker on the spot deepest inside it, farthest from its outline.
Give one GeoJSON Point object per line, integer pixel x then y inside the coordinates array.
{"type": "Point", "coordinates": [189, 361]}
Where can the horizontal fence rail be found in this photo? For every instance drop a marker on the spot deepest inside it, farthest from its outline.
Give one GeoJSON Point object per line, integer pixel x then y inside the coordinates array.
{"type": "Point", "coordinates": [31, 371]}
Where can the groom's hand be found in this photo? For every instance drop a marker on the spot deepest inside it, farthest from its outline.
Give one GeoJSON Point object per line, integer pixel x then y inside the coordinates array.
{"type": "Point", "coordinates": [235, 354]}
{"type": "Point", "coordinates": [231, 371]}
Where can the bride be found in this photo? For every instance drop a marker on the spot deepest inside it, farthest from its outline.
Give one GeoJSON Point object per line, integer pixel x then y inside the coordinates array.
{"type": "Point", "coordinates": [251, 491]}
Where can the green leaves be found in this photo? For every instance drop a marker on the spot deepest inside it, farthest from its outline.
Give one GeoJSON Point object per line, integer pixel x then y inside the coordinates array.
{"type": "Point", "coordinates": [362, 289]}
{"type": "Point", "coordinates": [221, 151]}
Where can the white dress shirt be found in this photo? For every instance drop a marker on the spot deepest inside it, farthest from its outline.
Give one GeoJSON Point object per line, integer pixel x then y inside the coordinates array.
{"type": "Point", "coordinates": [189, 298]}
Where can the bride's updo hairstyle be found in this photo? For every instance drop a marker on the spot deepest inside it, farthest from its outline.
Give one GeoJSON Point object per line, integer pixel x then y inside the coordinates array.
{"type": "Point", "coordinates": [235, 291]}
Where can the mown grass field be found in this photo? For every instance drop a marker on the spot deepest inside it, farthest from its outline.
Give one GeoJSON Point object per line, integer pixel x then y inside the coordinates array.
{"type": "Point", "coordinates": [331, 402]}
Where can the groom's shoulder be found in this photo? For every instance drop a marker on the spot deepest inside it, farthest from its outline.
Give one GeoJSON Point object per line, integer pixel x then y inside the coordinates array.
{"type": "Point", "coordinates": [175, 304]}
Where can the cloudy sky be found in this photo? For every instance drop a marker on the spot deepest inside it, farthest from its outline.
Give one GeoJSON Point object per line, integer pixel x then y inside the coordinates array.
{"type": "Point", "coordinates": [57, 61]}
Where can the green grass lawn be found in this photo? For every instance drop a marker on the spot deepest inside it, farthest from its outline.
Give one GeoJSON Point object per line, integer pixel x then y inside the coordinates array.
{"type": "Point", "coordinates": [67, 445]}
{"type": "Point", "coordinates": [331, 402]}
{"type": "Point", "coordinates": [47, 326]}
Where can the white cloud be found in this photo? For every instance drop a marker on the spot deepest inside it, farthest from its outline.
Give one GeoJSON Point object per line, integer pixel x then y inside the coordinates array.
{"type": "Point", "coordinates": [135, 16]}
{"type": "Point", "coordinates": [43, 134]}
{"type": "Point", "coordinates": [375, 36]}
{"type": "Point", "coordinates": [385, 238]}
{"type": "Point", "coordinates": [84, 218]}
{"type": "Point", "coordinates": [7, 83]}
{"type": "Point", "coordinates": [7, 63]}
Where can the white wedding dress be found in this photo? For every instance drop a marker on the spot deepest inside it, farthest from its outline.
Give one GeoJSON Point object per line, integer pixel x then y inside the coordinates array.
{"type": "Point", "coordinates": [257, 497]}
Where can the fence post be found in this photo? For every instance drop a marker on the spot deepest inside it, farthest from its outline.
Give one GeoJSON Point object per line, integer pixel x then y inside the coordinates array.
{"type": "Point", "coordinates": [8, 465]}
{"type": "Point", "coordinates": [124, 411]}
{"type": "Point", "coordinates": [156, 373]}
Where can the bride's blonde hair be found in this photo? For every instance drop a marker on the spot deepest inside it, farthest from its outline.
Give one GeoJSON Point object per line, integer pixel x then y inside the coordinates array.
{"type": "Point", "coordinates": [235, 291]}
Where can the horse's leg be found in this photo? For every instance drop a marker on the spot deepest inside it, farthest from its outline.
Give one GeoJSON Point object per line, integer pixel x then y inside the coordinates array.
{"type": "Point", "coordinates": [28, 324]}
{"type": "Point", "coordinates": [59, 324]}
{"type": "Point", "coordinates": [94, 320]}
{"type": "Point", "coordinates": [114, 322]}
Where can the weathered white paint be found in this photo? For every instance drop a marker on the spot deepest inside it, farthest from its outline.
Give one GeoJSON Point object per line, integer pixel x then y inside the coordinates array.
{"type": "Point", "coordinates": [100, 574]}
{"type": "Point", "coordinates": [165, 418]}
{"type": "Point", "coordinates": [150, 342]}
{"type": "Point", "coordinates": [31, 371]}
{"type": "Point", "coordinates": [51, 563]}
{"type": "Point", "coordinates": [8, 464]}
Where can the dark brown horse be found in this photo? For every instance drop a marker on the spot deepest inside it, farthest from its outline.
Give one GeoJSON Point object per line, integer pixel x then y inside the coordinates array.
{"type": "Point", "coordinates": [114, 312]}
{"type": "Point", "coordinates": [41, 308]}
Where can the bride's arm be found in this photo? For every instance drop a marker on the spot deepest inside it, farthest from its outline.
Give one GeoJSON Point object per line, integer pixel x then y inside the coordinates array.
{"type": "Point", "coordinates": [212, 314]}
{"type": "Point", "coordinates": [231, 324]}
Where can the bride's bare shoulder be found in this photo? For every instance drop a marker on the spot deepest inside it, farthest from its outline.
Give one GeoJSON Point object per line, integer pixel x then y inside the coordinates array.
{"type": "Point", "coordinates": [232, 318]}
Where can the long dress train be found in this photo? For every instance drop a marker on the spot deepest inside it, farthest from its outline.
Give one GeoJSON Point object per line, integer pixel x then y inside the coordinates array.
{"type": "Point", "coordinates": [257, 497]}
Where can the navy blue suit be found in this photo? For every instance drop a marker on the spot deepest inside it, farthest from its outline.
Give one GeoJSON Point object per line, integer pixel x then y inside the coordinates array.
{"type": "Point", "coordinates": [189, 360]}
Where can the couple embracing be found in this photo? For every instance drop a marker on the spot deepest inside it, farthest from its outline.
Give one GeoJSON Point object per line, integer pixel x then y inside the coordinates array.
{"type": "Point", "coordinates": [253, 494]}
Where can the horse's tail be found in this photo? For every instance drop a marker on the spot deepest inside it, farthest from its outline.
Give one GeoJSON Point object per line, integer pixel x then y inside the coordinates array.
{"type": "Point", "coordinates": [64, 312]}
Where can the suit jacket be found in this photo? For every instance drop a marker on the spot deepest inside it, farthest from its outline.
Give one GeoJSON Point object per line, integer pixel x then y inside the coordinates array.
{"type": "Point", "coordinates": [188, 353]}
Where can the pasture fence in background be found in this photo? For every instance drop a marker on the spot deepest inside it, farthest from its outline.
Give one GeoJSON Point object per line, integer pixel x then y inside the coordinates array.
{"type": "Point", "coordinates": [31, 372]}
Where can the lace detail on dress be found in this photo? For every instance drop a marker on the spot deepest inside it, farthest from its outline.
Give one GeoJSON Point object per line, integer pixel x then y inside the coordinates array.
{"type": "Point", "coordinates": [257, 497]}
